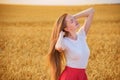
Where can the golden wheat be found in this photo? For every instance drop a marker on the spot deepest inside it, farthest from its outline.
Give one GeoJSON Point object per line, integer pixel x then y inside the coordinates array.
{"type": "Point", "coordinates": [24, 41]}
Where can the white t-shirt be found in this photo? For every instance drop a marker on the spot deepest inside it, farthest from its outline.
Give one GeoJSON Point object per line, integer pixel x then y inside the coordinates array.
{"type": "Point", "coordinates": [76, 51]}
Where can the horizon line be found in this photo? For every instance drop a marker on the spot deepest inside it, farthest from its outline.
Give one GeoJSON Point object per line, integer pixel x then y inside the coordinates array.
{"type": "Point", "coordinates": [58, 4]}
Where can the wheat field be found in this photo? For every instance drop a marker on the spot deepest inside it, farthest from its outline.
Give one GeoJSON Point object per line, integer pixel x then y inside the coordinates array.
{"type": "Point", "coordinates": [25, 33]}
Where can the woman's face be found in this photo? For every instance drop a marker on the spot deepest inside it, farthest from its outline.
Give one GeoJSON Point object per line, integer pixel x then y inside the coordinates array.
{"type": "Point", "coordinates": [71, 23]}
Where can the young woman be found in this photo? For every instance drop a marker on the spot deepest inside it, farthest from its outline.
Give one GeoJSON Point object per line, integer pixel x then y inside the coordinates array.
{"type": "Point", "coordinates": [68, 44]}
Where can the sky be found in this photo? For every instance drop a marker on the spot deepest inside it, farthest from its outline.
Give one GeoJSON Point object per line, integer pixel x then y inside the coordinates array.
{"type": "Point", "coordinates": [58, 2]}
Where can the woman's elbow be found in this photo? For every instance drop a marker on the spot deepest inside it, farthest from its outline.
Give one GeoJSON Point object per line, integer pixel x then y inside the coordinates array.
{"type": "Point", "coordinates": [59, 49]}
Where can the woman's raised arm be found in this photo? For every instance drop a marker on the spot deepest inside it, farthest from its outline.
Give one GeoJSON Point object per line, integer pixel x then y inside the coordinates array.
{"type": "Point", "coordinates": [88, 13]}
{"type": "Point", "coordinates": [59, 44]}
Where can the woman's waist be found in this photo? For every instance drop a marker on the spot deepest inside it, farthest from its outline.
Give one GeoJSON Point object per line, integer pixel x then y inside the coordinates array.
{"type": "Point", "coordinates": [78, 65]}
{"type": "Point", "coordinates": [75, 68]}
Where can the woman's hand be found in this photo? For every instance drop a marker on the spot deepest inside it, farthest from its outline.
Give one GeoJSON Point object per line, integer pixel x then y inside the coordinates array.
{"type": "Point", "coordinates": [62, 33]}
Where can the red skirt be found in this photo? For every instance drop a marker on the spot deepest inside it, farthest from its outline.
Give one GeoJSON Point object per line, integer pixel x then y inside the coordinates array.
{"type": "Point", "coordinates": [70, 73]}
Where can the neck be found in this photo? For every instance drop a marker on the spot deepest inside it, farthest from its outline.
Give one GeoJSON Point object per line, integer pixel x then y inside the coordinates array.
{"type": "Point", "coordinates": [72, 35]}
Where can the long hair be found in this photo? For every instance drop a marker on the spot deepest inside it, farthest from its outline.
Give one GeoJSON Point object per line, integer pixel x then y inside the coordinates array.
{"type": "Point", "coordinates": [56, 58]}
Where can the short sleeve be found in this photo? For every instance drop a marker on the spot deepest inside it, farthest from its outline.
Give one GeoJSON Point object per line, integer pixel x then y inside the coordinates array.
{"type": "Point", "coordinates": [82, 33]}
{"type": "Point", "coordinates": [63, 44]}
{"type": "Point", "coordinates": [60, 43]}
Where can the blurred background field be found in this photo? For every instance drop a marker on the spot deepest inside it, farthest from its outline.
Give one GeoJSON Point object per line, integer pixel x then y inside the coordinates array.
{"type": "Point", "coordinates": [25, 33]}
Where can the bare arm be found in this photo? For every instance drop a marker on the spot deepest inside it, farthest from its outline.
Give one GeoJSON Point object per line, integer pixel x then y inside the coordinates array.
{"type": "Point", "coordinates": [59, 44]}
{"type": "Point", "coordinates": [88, 13]}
